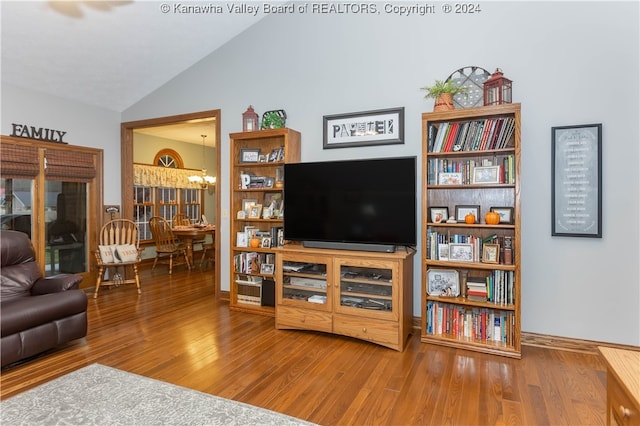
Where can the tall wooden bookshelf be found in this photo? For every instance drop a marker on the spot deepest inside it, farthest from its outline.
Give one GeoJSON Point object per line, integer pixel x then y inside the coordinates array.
{"type": "Point", "coordinates": [471, 162]}
{"type": "Point", "coordinates": [257, 177]}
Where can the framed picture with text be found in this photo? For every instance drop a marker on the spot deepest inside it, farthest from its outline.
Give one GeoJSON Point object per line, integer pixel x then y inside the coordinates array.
{"type": "Point", "coordinates": [379, 127]}
{"type": "Point", "coordinates": [576, 181]}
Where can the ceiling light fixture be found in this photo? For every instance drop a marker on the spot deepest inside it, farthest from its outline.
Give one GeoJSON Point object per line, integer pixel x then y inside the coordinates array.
{"type": "Point", "coordinates": [203, 179]}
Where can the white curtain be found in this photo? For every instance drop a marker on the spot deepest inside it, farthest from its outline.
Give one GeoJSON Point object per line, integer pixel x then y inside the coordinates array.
{"type": "Point", "coordinates": [168, 177]}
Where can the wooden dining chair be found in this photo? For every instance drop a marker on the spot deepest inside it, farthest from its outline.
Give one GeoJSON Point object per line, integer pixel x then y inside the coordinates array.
{"type": "Point", "coordinates": [118, 247]}
{"type": "Point", "coordinates": [181, 219]}
{"type": "Point", "coordinates": [168, 246]}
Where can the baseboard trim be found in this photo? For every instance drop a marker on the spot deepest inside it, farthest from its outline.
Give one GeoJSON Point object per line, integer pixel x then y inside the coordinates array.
{"type": "Point", "coordinates": [568, 343]}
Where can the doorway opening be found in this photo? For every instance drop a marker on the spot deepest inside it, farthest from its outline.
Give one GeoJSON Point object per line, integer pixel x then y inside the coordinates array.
{"type": "Point", "coordinates": [173, 125]}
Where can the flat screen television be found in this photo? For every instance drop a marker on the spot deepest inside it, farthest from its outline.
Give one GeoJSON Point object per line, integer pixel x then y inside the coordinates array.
{"type": "Point", "coordinates": [365, 204]}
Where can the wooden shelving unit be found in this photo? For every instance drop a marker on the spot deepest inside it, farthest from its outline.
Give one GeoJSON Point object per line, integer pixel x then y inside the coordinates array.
{"type": "Point", "coordinates": [491, 325]}
{"type": "Point", "coordinates": [254, 296]}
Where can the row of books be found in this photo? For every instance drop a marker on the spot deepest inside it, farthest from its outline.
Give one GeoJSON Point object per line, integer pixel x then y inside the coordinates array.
{"type": "Point", "coordinates": [498, 287]}
{"type": "Point", "coordinates": [470, 323]}
{"type": "Point", "coordinates": [462, 247]}
{"type": "Point", "coordinates": [475, 135]}
{"type": "Point", "coordinates": [444, 167]}
{"type": "Point", "coordinates": [250, 262]}
{"type": "Point", "coordinates": [438, 246]}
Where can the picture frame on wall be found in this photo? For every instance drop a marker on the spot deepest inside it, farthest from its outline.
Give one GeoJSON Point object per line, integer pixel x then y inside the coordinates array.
{"type": "Point", "coordinates": [576, 181]}
{"type": "Point", "coordinates": [365, 128]}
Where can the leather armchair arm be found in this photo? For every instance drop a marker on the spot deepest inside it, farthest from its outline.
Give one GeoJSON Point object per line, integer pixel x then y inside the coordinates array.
{"type": "Point", "coordinates": [56, 284]}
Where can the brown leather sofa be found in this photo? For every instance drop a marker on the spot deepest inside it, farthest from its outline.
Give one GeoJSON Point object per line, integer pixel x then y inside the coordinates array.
{"type": "Point", "coordinates": [36, 313]}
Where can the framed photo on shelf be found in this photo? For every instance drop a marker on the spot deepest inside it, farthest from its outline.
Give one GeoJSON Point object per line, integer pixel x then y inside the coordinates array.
{"type": "Point", "coordinates": [247, 203]}
{"type": "Point", "coordinates": [462, 211]}
{"type": "Point", "coordinates": [443, 251]}
{"type": "Point", "coordinates": [461, 252]}
{"type": "Point", "coordinates": [576, 177]}
{"type": "Point", "coordinates": [250, 231]}
{"type": "Point", "coordinates": [490, 253]}
{"type": "Point", "coordinates": [266, 268]}
{"type": "Point", "coordinates": [266, 242]}
{"type": "Point", "coordinates": [274, 155]}
{"type": "Point", "coordinates": [506, 214]}
{"type": "Point", "coordinates": [438, 214]}
{"type": "Point", "coordinates": [254, 211]}
{"type": "Point", "coordinates": [449, 178]}
{"type": "Point", "coordinates": [249, 155]}
{"type": "Point", "coordinates": [268, 182]}
{"type": "Point", "coordinates": [443, 282]}
{"type": "Point", "coordinates": [487, 174]}
{"type": "Point", "coordinates": [379, 127]}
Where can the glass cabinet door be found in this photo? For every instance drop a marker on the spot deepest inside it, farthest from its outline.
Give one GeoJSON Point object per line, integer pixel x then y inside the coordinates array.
{"type": "Point", "coordinates": [305, 283]}
{"type": "Point", "coordinates": [16, 205]}
{"type": "Point", "coordinates": [365, 290]}
{"type": "Point", "coordinates": [66, 248]}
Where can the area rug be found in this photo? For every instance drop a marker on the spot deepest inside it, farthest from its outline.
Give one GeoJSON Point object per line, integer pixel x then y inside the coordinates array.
{"type": "Point", "coordinates": [100, 395]}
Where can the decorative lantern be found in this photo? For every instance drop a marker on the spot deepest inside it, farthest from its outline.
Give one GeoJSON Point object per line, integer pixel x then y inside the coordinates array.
{"type": "Point", "coordinates": [249, 120]}
{"type": "Point", "coordinates": [497, 89]}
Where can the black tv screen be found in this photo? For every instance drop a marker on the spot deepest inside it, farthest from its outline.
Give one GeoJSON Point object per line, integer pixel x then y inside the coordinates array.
{"type": "Point", "coordinates": [352, 204]}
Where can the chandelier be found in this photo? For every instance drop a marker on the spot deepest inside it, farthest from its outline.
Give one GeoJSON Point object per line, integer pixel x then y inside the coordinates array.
{"type": "Point", "coordinates": [203, 179]}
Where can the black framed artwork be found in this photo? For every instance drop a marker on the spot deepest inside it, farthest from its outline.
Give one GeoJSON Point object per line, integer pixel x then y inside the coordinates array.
{"type": "Point", "coordinates": [576, 181]}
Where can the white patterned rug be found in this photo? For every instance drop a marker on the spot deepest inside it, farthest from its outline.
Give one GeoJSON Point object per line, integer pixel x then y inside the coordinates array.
{"type": "Point", "coordinates": [100, 395]}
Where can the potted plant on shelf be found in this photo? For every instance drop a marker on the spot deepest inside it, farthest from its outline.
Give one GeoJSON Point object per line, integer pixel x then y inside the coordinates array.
{"type": "Point", "coordinates": [443, 92]}
{"type": "Point", "coordinates": [272, 120]}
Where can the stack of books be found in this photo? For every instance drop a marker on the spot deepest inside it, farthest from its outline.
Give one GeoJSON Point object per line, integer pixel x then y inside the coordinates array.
{"type": "Point", "coordinates": [477, 289]}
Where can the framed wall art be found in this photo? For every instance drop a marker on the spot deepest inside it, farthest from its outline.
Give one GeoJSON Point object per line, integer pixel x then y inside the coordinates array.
{"type": "Point", "coordinates": [576, 181]}
{"type": "Point", "coordinates": [379, 127]}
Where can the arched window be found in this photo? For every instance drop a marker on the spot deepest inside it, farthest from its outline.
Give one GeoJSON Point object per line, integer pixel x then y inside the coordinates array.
{"type": "Point", "coordinates": [168, 158]}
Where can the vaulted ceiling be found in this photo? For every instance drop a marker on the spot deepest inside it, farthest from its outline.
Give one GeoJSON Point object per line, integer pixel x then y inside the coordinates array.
{"type": "Point", "coordinates": [109, 53]}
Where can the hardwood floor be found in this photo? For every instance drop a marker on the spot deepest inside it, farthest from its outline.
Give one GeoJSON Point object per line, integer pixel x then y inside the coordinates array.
{"type": "Point", "coordinates": [177, 332]}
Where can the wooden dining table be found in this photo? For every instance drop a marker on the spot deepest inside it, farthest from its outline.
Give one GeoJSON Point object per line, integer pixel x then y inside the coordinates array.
{"type": "Point", "coordinates": [188, 234]}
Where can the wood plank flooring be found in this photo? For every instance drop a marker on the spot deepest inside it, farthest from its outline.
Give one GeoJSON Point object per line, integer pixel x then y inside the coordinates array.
{"type": "Point", "coordinates": [176, 331]}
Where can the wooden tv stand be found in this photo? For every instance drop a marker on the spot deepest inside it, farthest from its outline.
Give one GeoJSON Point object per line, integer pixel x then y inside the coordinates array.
{"type": "Point", "coordinates": [366, 295]}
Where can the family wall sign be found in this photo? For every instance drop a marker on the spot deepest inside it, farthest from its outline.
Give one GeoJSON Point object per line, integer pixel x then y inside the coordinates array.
{"type": "Point", "coordinates": [40, 133]}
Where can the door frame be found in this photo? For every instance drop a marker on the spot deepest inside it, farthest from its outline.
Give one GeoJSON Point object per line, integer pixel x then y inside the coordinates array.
{"type": "Point", "coordinates": [126, 164]}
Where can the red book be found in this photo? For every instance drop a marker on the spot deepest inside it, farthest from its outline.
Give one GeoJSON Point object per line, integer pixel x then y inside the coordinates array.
{"type": "Point", "coordinates": [451, 137]}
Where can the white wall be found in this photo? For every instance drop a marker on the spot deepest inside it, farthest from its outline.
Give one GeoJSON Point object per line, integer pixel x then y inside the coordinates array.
{"type": "Point", "coordinates": [85, 125]}
{"type": "Point", "coordinates": [567, 61]}
{"type": "Point", "coordinates": [571, 62]}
